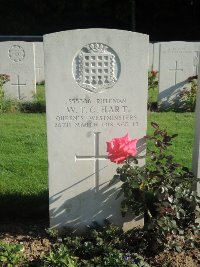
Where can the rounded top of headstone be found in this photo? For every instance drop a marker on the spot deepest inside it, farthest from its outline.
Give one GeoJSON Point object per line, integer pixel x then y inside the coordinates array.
{"type": "Point", "coordinates": [96, 67]}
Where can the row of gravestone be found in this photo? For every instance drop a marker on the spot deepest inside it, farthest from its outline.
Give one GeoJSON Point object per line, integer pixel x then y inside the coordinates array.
{"type": "Point", "coordinates": [175, 63]}
{"type": "Point", "coordinates": [24, 63]}
{"type": "Point", "coordinates": [96, 90]}
{"type": "Point", "coordinates": [156, 50]}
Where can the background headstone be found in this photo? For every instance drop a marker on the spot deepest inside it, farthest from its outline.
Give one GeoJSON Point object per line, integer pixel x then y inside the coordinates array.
{"type": "Point", "coordinates": [17, 60]}
{"type": "Point", "coordinates": [196, 48]}
{"type": "Point", "coordinates": [96, 90]}
{"type": "Point", "coordinates": [156, 56]}
{"type": "Point", "coordinates": [39, 62]}
{"type": "Point", "coordinates": [176, 65]}
{"type": "Point", "coordinates": [196, 146]}
{"type": "Point", "coordinates": [150, 56]}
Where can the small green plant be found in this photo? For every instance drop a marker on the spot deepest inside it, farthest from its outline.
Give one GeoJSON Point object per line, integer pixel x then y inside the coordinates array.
{"type": "Point", "coordinates": [104, 245]}
{"type": "Point", "coordinates": [60, 257]}
{"type": "Point", "coordinates": [188, 96]}
{"type": "Point", "coordinates": [41, 83]}
{"type": "Point", "coordinates": [152, 89]}
{"type": "Point", "coordinates": [11, 255]}
{"type": "Point", "coordinates": [52, 232]}
{"type": "Point", "coordinates": [4, 78]}
{"type": "Point", "coordinates": [152, 79]}
{"type": "Point", "coordinates": [8, 105]}
{"type": "Point", "coordinates": [162, 190]}
{"type": "Point", "coordinates": [37, 105]}
{"type": "Point", "coordinates": [5, 103]}
{"type": "Point", "coordinates": [114, 257]}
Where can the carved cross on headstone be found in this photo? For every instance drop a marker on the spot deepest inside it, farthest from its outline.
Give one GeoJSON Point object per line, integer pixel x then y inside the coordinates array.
{"type": "Point", "coordinates": [96, 157]}
{"type": "Point", "coordinates": [18, 84]}
{"type": "Point", "coordinates": [175, 72]}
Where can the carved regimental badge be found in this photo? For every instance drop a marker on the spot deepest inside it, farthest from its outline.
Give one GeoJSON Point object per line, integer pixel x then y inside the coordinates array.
{"type": "Point", "coordinates": [96, 67]}
{"type": "Point", "coordinates": [16, 53]}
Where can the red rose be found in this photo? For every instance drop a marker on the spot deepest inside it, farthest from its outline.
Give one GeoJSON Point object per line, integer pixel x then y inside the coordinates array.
{"type": "Point", "coordinates": [120, 148]}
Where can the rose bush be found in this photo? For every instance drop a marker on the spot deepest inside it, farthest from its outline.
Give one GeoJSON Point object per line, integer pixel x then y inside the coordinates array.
{"type": "Point", "coordinates": [119, 149]}
{"type": "Point", "coordinates": [162, 191]}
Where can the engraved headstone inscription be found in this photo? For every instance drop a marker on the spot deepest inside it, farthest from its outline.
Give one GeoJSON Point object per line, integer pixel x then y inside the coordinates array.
{"type": "Point", "coordinates": [176, 66]}
{"type": "Point", "coordinates": [17, 60]}
{"type": "Point", "coordinates": [96, 90]}
{"type": "Point", "coordinates": [39, 62]}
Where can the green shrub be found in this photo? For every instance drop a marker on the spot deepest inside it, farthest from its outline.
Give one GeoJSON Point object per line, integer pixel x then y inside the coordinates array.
{"type": "Point", "coordinates": [11, 255]}
{"type": "Point", "coordinates": [60, 257]}
{"type": "Point", "coordinates": [104, 245]}
{"type": "Point", "coordinates": [8, 105]}
{"type": "Point", "coordinates": [152, 79]}
{"type": "Point", "coordinates": [152, 90]}
{"type": "Point", "coordinates": [32, 107]}
{"type": "Point", "coordinates": [37, 105]}
{"type": "Point", "coordinates": [114, 257]}
{"type": "Point", "coordinates": [188, 96]}
{"type": "Point", "coordinates": [162, 190]}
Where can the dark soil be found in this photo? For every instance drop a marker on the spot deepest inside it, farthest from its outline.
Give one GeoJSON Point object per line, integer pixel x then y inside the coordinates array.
{"type": "Point", "coordinates": [37, 242]}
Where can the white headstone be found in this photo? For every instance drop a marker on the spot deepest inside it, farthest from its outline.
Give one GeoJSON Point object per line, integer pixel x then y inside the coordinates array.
{"type": "Point", "coordinates": [196, 48]}
{"type": "Point", "coordinates": [156, 56]}
{"type": "Point", "coordinates": [17, 60]}
{"type": "Point", "coordinates": [39, 62]}
{"type": "Point", "coordinates": [150, 56]}
{"type": "Point", "coordinates": [96, 90]}
{"type": "Point", "coordinates": [196, 146]}
{"type": "Point", "coordinates": [176, 65]}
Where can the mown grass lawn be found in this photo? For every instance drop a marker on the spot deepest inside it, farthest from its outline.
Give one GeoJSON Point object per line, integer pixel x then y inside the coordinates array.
{"type": "Point", "coordinates": [23, 162]}
{"type": "Point", "coordinates": [177, 123]}
{"type": "Point", "coordinates": [24, 165]}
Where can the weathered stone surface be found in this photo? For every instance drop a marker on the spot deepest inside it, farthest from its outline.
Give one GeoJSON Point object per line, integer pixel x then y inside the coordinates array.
{"type": "Point", "coordinates": [150, 56]}
{"type": "Point", "coordinates": [176, 66]}
{"type": "Point", "coordinates": [196, 54]}
{"type": "Point", "coordinates": [17, 60]}
{"type": "Point", "coordinates": [39, 62]}
{"type": "Point", "coordinates": [156, 56]}
{"type": "Point", "coordinates": [96, 89]}
{"type": "Point", "coordinates": [196, 146]}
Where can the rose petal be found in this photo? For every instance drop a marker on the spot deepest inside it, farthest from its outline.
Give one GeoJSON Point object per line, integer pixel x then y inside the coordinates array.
{"type": "Point", "coordinates": [109, 146]}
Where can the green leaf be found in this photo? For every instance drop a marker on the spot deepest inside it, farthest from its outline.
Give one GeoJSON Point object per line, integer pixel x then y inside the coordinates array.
{"type": "Point", "coordinates": [134, 184]}
{"type": "Point", "coordinates": [123, 177]}
{"type": "Point", "coordinates": [174, 135]}
{"type": "Point", "coordinates": [174, 232]}
{"type": "Point", "coordinates": [178, 248]}
{"type": "Point", "coordinates": [158, 143]}
{"type": "Point", "coordinates": [154, 125]}
{"type": "Point", "coordinates": [193, 245]}
{"type": "Point", "coordinates": [3, 259]}
{"type": "Point", "coordinates": [185, 169]}
{"type": "Point", "coordinates": [178, 215]}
